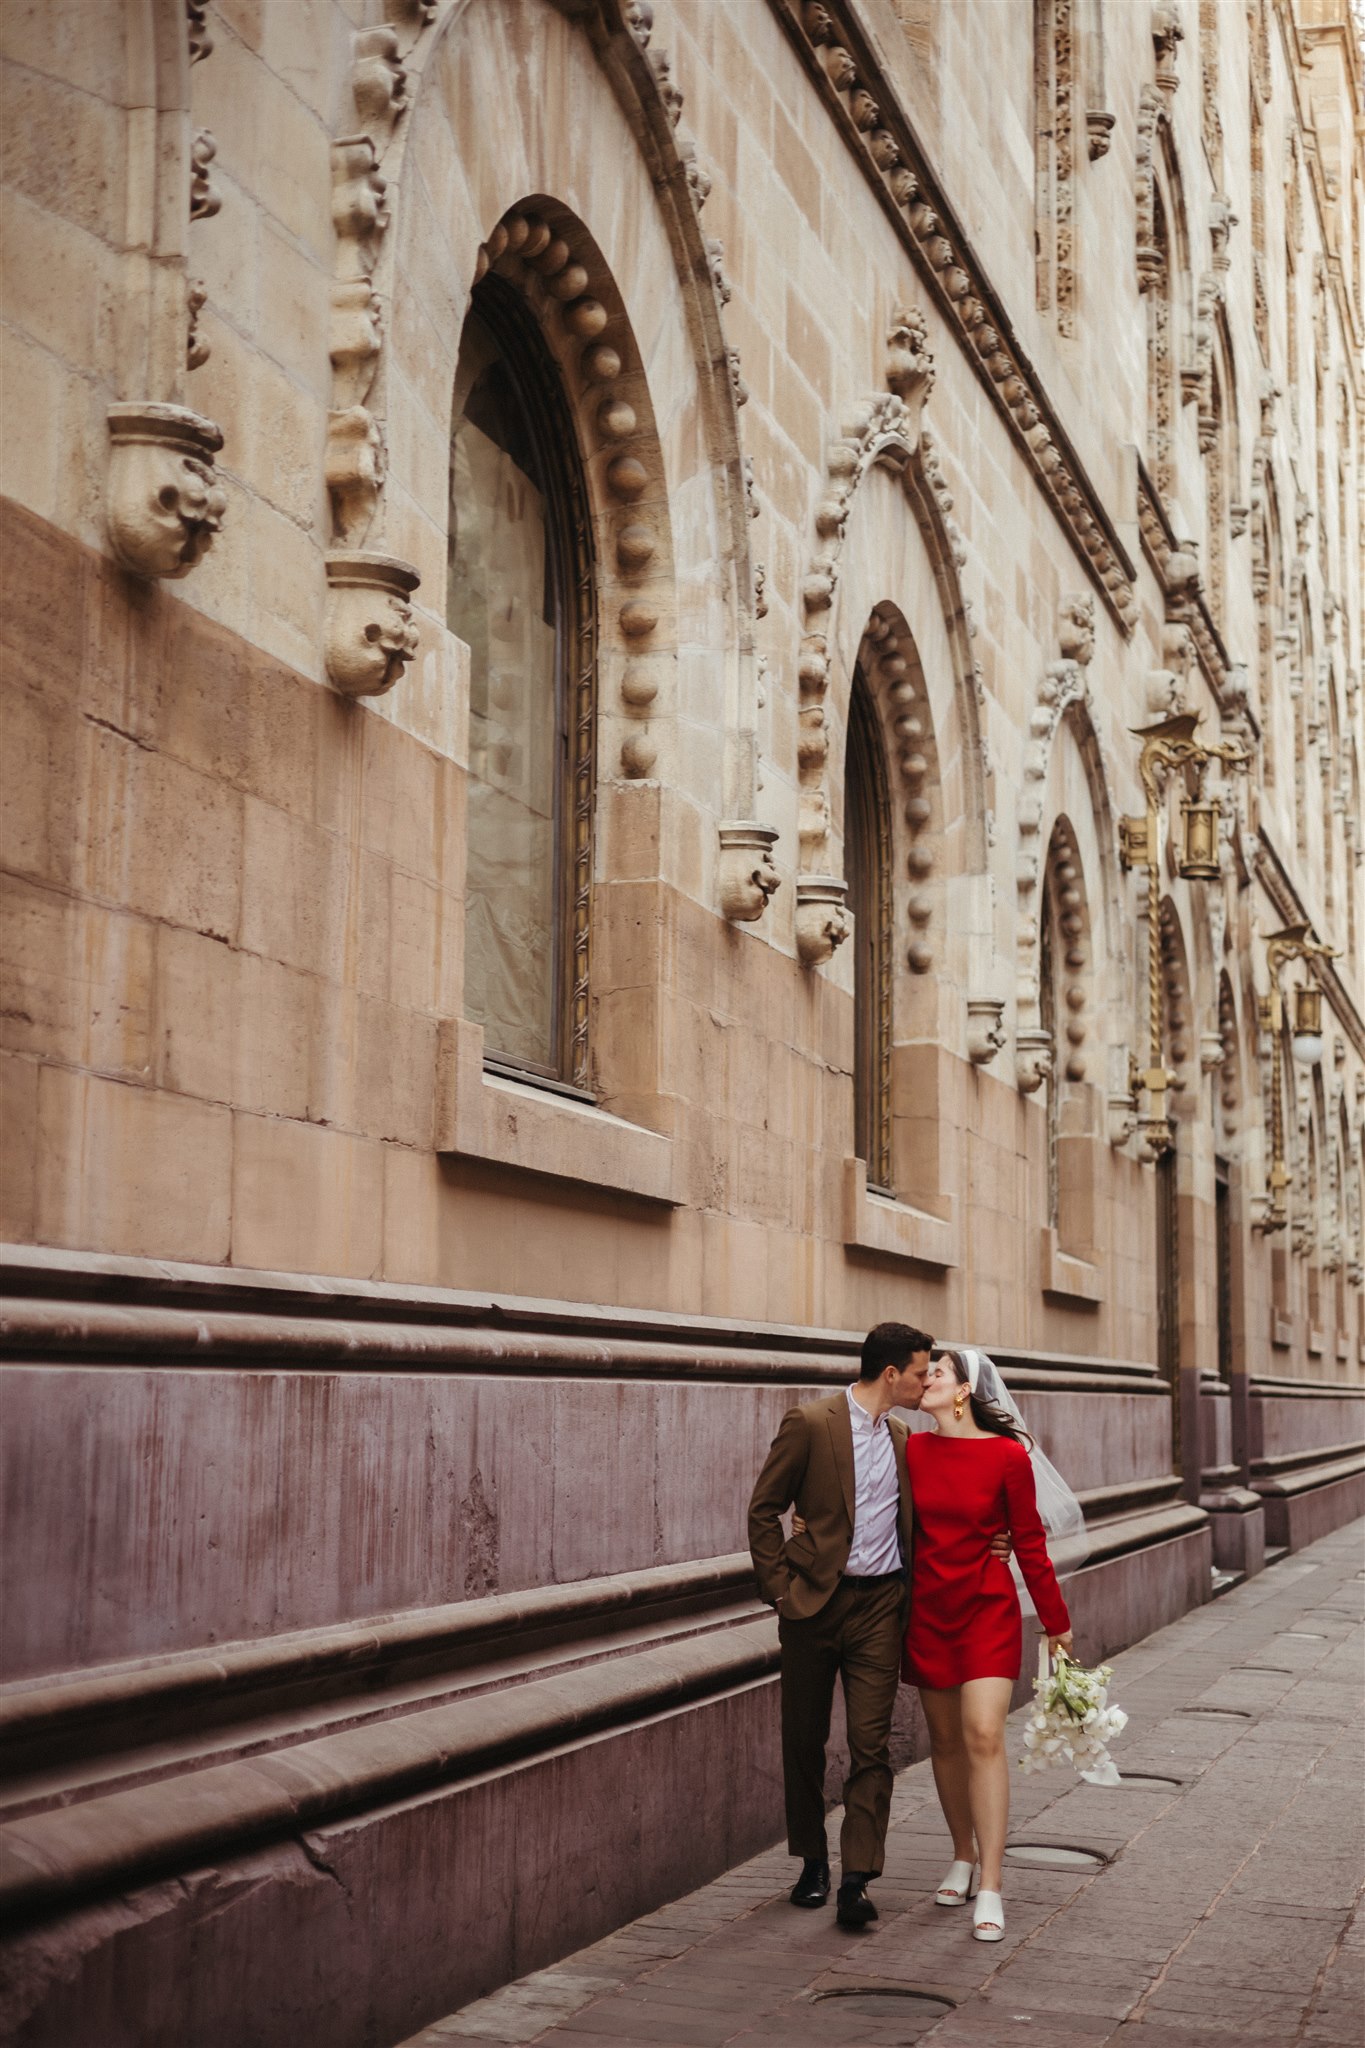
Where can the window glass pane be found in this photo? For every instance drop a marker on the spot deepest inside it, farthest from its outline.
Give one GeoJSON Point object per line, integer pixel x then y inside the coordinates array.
{"type": "Point", "coordinates": [502, 600]}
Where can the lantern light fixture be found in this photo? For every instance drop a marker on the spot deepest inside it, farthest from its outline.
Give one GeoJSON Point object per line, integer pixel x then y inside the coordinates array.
{"type": "Point", "coordinates": [1295, 942]}
{"type": "Point", "coordinates": [1170, 745]}
{"type": "Point", "coordinates": [1307, 1037]}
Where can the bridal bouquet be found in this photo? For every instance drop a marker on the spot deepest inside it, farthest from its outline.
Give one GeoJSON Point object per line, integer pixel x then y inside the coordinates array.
{"type": "Point", "coordinates": [1072, 1721]}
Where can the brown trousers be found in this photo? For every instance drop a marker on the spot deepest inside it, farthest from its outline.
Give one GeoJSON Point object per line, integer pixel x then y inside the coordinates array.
{"type": "Point", "coordinates": [857, 1636]}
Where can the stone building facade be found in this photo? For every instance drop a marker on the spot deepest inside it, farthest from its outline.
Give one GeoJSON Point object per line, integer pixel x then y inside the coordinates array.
{"type": "Point", "coordinates": [676, 677]}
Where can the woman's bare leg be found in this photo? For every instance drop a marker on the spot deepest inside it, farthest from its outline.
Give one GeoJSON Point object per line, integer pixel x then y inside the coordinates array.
{"type": "Point", "coordinates": [984, 1705]}
{"type": "Point", "coordinates": [948, 1753]}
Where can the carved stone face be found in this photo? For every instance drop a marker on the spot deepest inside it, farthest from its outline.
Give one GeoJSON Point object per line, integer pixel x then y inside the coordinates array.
{"type": "Point", "coordinates": [183, 514]}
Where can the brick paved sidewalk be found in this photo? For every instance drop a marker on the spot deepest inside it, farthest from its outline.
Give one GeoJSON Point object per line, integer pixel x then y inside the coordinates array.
{"type": "Point", "coordinates": [1227, 1909]}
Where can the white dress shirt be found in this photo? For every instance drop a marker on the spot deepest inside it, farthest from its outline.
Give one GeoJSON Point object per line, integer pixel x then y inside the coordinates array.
{"type": "Point", "coordinates": [876, 1544]}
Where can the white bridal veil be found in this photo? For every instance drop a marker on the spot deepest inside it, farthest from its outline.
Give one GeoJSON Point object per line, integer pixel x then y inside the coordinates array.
{"type": "Point", "coordinates": [1067, 1542]}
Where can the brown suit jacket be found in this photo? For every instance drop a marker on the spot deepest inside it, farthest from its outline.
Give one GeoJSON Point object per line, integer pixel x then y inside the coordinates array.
{"type": "Point", "coordinates": [810, 1467]}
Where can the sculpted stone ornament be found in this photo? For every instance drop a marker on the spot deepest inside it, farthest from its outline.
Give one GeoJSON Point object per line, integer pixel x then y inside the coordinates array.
{"type": "Point", "coordinates": [379, 83]}
{"type": "Point", "coordinates": [197, 350]}
{"type": "Point", "coordinates": [370, 634]}
{"type": "Point", "coordinates": [747, 874]}
{"type": "Point", "coordinates": [1076, 636]}
{"type": "Point", "coordinates": [1032, 1058]}
{"type": "Point", "coordinates": [910, 364]}
{"type": "Point", "coordinates": [355, 337]}
{"type": "Point", "coordinates": [355, 464]}
{"type": "Point", "coordinates": [985, 1028]}
{"type": "Point", "coordinates": [360, 207]}
{"type": "Point", "coordinates": [821, 919]}
{"type": "Point", "coordinates": [205, 198]}
{"type": "Point", "coordinates": [1120, 1120]}
{"type": "Point", "coordinates": [164, 501]}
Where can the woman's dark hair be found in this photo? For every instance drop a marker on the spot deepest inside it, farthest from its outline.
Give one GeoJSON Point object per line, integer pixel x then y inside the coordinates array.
{"type": "Point", "coordinates": [988, 1415]}
{"type": "Point", "coordinates": [891, 1344]}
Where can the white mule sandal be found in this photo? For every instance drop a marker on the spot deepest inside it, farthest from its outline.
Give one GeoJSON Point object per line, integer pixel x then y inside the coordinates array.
{"type": "Point", "coordinates": [988, 1917]}
{"type": "Point", "coordinates": [958, 1886]}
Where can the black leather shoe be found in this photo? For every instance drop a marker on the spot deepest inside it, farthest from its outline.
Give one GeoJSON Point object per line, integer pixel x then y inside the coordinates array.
{"type": "Point", "coordinates": [854, 1908]}
{"type": "Point", "coordinates": [812, 1887]}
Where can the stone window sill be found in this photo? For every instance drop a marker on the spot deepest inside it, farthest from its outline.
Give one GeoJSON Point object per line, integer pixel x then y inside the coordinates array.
{"type": "Point", "coordinates": [876, 1223]}
{"type": "Point", "coordinates": [487, 1116]}
{"type": "Point", "coordinates": [1067, 1278]}
{"type": "Point", "coordinates": [1281, 1331]}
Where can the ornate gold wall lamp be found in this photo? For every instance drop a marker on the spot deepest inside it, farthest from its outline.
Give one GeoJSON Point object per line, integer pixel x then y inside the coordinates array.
{"type": "Point", "coordinates": [1295, 942]}
{"type": "Point", "coordinates": [1168, 746]}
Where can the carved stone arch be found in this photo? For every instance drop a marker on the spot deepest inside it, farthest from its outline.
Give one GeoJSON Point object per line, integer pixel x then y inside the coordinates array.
{"type": "Point", "coordinates": [1163, 262]}
{"type": "Point", "coordinates": [1302, 685]}
{"type": "Point", "coordinates": [1228, 1080]}
{"type": "Point", "coordinates": [1220, 445]}
{"type": "Point", "coordinates": [547, 256]}
{"type": "Point", "coordinates": [1267, 590]}
{"type": "Point", "coordinates": [1333, 795]}
{"type": "Point", "coordinates": [883, 438]}
{"type": "Point", "coordinates": [1178, 1010]}
{"type": "Point", "coordinates": [1065, 774]}
{"type": "Point", "coordinates": [1351, 1248]}
{"type": "Point", "coordinates": [898, 693]}
{"type": "Point", "coordinates": [1069, 1015]}
{"type": "Point", "coordinates": [460, 144]}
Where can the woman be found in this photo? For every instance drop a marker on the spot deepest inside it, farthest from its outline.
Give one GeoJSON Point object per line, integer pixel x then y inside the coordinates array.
{"type": "Point", "coordinates": [971, 1477]}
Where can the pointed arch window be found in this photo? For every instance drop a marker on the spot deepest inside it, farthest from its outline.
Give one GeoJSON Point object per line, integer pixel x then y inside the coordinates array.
{"type": "Point", "coordinates": [520, 594]}
{"type": "Point", "coordinates": [867, 866]}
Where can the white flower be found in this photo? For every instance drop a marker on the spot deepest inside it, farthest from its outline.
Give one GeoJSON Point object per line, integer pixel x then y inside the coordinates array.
{"type": "Point", "coordinates": [1072, 1722]}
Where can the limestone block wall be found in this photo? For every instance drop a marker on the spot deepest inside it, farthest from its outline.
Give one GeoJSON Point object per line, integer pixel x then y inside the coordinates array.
{"type": "Point", "coordinates": [1044, 415]}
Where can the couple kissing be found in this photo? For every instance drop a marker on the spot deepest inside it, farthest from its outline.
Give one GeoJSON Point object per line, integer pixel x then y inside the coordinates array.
{"type": "Point", "coordinates": [898, 1567]}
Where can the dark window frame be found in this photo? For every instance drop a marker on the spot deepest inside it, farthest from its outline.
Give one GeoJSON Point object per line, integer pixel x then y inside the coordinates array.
{"type": "Point", "coordinates": [867, 868]}
{"type": "Point", "coordinates": [537, 385]}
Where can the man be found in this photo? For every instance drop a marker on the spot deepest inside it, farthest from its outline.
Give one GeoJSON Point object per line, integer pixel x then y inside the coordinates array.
{"type": "Point", "coordinates": [839, 1585]}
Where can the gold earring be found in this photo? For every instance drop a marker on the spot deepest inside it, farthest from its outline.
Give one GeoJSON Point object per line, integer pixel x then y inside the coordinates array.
{"type": "Point", "coordinates": [959, 1403]}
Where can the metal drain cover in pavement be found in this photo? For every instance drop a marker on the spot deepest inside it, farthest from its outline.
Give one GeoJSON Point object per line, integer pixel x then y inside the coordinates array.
{"type": "Point", "coordinates": [889, 2002]}
{"type": "Point", "coordinates": [1053, 1858]}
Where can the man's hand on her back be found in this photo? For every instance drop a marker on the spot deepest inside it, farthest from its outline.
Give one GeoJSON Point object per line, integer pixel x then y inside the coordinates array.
{"type": "Point", "coordinates": [1001, 1546]}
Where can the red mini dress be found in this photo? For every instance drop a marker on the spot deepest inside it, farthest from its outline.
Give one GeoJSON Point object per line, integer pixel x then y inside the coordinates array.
{"type": "Point", "coordinates": [964, 1611]}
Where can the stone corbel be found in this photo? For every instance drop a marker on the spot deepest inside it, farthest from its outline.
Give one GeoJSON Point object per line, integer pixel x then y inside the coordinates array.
{"type": "Point", "coordinates": [747, 874]}
{"type": "Point", "coordinates": [1099, 127]}
{"type": "Point", "coordinates": [821, 919]}
{"type": "Point", "coordinates": [1032, 1058]}
{"type": "Point", "coordinates": [370, 634]}
{"type": "Point", "coordinates": [164, 503]}
{"type": "Point", "coordinates": [985, 1028]}
{"type": "Point", "coordinates": [1120, 1120]}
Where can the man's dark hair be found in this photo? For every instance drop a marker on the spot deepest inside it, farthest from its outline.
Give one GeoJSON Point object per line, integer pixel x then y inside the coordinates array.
{"type": "Point", "coordinates": [891, 1344]}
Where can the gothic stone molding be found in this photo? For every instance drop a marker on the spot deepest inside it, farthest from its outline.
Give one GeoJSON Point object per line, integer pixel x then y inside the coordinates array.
{"type": "Point", "coordinates": [164, 504]}
{"type": "Point", "coordinates": [1064, 689]}
{"type": "Point", "coordinates": [888, 431]}
{"type": "Point", "coordinates": [865, 104]}
{"type": "Point", "coordinates": [1176, 567]}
